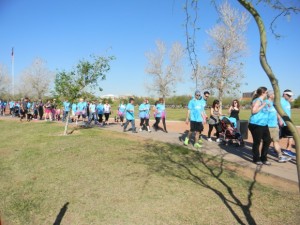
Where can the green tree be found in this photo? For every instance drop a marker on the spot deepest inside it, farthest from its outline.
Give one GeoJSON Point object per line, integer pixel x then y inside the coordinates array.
{"type": "Point", "coordinates": [71, 85]}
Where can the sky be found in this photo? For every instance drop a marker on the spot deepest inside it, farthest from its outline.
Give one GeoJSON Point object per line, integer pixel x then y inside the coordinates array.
{"type": "Point", "coordinates": [64, 32]}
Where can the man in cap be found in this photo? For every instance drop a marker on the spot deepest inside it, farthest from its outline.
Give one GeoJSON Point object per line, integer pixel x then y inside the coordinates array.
{"type": "Point", "coordinates": [194, 116]}
{"type": "Point", "coordinates": [285, 102]}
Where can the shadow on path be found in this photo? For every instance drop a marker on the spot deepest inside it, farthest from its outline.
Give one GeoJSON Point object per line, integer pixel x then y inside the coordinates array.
{"type": "Point", "coordinates": [197, 167]}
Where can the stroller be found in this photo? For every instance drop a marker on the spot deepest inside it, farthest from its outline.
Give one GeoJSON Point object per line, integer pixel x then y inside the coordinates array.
{"type": "Point", "coordinates": [230, 133]}
{"type": "Point", "coordinates": [16, 111]}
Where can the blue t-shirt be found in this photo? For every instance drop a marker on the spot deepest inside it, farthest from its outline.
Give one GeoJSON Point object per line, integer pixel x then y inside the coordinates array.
{"type": "Point", "coordinates": [196, 108]}
{"type": "Point", "coordinates": [99, 108]}
{"type": "Point", "coordinates": [28, 105]}
{"type": "Point", "coordinates": [122, 108]}
{"type": "Point", "coordinates": [260, 118]}
{"type": "Point", "coordinates": [74, 107]}
{"type": "Point", "coordinates": [92, 108]}
{"type": "Point", "coordinates": [81, 106]}
{"type": "Point", "coordinates": [130, 111]}
{"type": "Point", "coordinates": [142, 111]}
{"type": "Point", "coordinates": [160, 110]}
{"type": "Point", "coordinates": [203, 103]}
{"type": "Point", "coordinates": [66, 106]}
{"type": "Point", "coordinates": [272, 117]}
{"type": "Point", "coordinates": [286, 105]}
{"type": "Point", "coordinates": [11, 104]}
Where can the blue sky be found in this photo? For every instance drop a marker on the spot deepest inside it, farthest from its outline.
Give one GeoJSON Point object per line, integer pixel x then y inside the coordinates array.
{"type": "Point", "coordinates": [63, 32]}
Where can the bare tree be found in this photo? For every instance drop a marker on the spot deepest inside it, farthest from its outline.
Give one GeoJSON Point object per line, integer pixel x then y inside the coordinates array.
{"type": "Point", "coordinates": [227, 47]}
{"type": "Point", "coordinates": [4, 81]}
{"type": "Point", "coordinates": [36, 79]}
{"type": "Point", "coordinates": [165, 76]}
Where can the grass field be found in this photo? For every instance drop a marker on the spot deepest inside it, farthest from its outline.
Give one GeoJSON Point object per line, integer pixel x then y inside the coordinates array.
{"type": "Point", "coordinates": [97, 176]}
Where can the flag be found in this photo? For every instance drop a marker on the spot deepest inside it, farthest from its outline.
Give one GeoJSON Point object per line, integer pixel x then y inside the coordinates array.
{"type": "Point", "coordinates": [12, 53]}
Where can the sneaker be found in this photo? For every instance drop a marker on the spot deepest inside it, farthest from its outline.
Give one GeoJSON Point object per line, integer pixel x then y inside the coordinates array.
{"type": "Point", "coordinates": [140, 130]}
{"type": "Point", "coordinates": [259, 163]}
{"type": "Point", "coordinates": [282, 159]}
{"type": "Point", "coordinates": [218, 140]}
{"type": "Point", "coordinates": [267, 163]}
{"type": "Point", "coordinates": [186, 141]}
{"type": "Point", "coordinates": [209, 139]}
{"type": "Point", "coordinates": [197, 145]}
{"type": "Point", "coordinates": [149, 131]}
{"type": "Point", "coordinates": [289, 153]}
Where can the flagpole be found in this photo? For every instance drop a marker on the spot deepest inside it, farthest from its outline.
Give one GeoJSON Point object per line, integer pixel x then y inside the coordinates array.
{"type": "Point", "coordinates": [13, 72]}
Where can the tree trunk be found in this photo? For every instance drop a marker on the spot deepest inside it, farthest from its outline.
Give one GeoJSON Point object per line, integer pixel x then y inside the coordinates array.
{"type": "Point", "coordinates": [67, 124]}
{"type": "Point", "coordinates": [263, 61]}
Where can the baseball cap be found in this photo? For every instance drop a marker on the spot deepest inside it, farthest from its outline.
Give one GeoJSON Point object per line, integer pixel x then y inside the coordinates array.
{"type": "Point", "coordinates": [197, 92]}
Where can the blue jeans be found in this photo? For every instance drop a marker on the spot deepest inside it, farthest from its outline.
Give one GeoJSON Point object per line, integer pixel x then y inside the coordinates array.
{"type": "Point", "coordinates": [93, 116]}
{"type": "Point", "coordinates": [65, 114]}
{"type": "Point", "coordinates": [132, 124]}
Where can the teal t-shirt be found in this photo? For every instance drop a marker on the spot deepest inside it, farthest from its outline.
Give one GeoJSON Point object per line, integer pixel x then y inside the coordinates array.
{"type": "Point", "coordinates": [196, 107]}
{"type": "Point", "coordinates": [286, 105]}
{"type": "Point", "coordinates": [272, 117]}
{"type": "Point", "coordinates": [130, 111]}
{"type": "Point", "coordinates": [260, 118]}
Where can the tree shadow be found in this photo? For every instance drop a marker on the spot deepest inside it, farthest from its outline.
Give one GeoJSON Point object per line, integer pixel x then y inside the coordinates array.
{"type": "Point", "coordinates": [196, 167]}
{"type": "Point", "coordinates": [61, 214]}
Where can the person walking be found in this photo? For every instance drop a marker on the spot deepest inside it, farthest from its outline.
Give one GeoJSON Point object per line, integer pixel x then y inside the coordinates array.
{"type": "Point", "coordinates": [203, 100]}
{"type": "Point", "coordinates": [41, 109]}
{"type": "Point", "coordinates": [285, 102]}
{"type": "Point", "coordinates": [160, 114]}
{"type": "Point", "coordinates": [214, 120]}
{"type": "Point", "coordinates": [100, 110]}
{"type": "Point", "coordinates": [92, 112]}
{"type": "Point", "coordinates": [195, 118]}
{"type": "Point", "coordinates": [258, 126]}
{"type": "Point", "coordinates": [130, 116]}
{"type": "Point", "coordinates": [122, 112]}
{"type": "Point", "coordinates": [66, 112]}
{"type": "Point", "coordinates": [107, 112]}
{"type": "Point", "coordinates": [234, 111]}
{"type": "Point", "coordinates": [273, 120]}
{"type": "Point", "coordinates": [144, 114]}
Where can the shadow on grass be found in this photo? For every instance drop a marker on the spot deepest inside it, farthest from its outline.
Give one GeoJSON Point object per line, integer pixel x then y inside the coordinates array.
{"type": "Point", "coordinates": [197, 167]}
{"type": "Point", "coordinates": [61, 214]}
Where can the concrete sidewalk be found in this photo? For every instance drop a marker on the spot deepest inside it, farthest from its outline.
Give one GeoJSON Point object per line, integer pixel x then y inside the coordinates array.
{"type": "Point", "coordinates": [239, 155]}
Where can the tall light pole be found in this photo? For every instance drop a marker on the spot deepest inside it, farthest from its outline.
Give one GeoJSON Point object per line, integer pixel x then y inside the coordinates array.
{"type": "Point", "coordinates": [12, 72]}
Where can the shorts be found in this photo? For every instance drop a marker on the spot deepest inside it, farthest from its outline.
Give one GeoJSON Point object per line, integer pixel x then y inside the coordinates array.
{"type": "Point", "coordinates": [196, 126]}
{"type": "Point", "coordinates": [285, 132]}
{"type": "Point", "coordinates": [81, 113]}
{"type": "Point", "coordinates": [48, 110]}
{"type": "Point", "coordinates": [274, 133]}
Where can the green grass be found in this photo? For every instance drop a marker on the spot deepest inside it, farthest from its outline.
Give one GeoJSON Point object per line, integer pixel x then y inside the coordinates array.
{"type": "Point", "coordinates": [100, 177]}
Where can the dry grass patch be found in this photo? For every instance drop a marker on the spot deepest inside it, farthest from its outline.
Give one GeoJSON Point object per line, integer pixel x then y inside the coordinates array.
{"type": "Point", "coordinates": [103, 177]}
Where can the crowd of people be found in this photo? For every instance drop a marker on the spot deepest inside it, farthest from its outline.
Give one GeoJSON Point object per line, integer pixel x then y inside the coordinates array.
{"type": "Point", "coordinates": [265, 124]}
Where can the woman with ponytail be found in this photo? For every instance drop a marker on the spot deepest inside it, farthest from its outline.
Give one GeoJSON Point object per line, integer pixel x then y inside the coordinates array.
{"type": "Point", "coordinates": [258, 126]}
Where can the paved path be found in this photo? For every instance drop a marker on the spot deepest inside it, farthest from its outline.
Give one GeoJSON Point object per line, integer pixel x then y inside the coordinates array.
{"type": "Point", "coordinates": [239, 155]}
